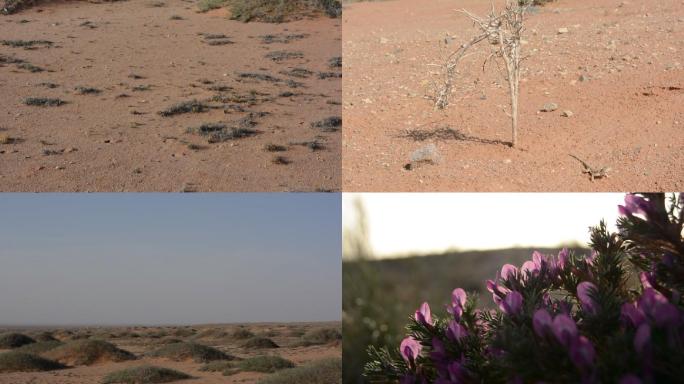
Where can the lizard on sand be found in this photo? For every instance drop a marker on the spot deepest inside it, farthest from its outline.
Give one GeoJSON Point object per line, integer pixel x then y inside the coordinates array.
{"type": "Point", "coordinates": [594, 173]}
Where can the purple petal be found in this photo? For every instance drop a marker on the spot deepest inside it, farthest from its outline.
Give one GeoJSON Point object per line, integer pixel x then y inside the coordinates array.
{"type": "Point", "coordinates": [642, 338]}
{"type": "Point", "coordinates": [508, 271]}
{"type": "Point", "coordinates": [541, 322]}
{"type": "Point", "coordinates": [456, 331]}
{"type": "Point", "coordinates": [423, 314]}
{"type": "Point", "coordinates": [529, 267]}
{"type": "Point", "coordinates": [647, 280]}
{"type": "Point", "coordinates": [458, 296]}
{"type": "Point", "coordinates": [584, 291]}
{"type": "Point", "coordinates": [512, 303]}
{"type": "Point", "coordinates": [630, 379]}
{"type": "Point", "coordinates": [563, 258]}
{"type": "Point", "coordinates": [410, 349]}
{"type": "Point", "coordinates": [631, 314]}
{"type": "Point", "coordinates": [565, 329]}
{"type": "Point", "coordinates": [582, 352]}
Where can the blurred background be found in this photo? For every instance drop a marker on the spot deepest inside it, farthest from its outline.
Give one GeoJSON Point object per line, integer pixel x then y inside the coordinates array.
{"type": "Point", "coordinates": [402, 249]}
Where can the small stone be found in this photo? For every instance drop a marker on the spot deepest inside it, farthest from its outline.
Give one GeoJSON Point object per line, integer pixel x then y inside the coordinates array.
{"type": "Point", "coordinates": [507, 161]}
{"type": "Point", "coordinates": [562, 31]}
{"type": "Point", "coordinates": [60, 167]}
{"type": "Point", "coordinates": [424, 155]}
{"type": "Point", "coordinates": [70, 150]}
{"type": "Point", "coordinates": [567, 114]}
{"type": "Point", "coordinates": [583, 78]}
{"type": "Point", "coordinates": [549, 107]}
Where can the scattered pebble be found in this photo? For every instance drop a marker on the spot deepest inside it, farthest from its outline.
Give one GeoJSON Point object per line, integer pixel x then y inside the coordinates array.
{"type": "Point", "coordinates": [549, 107]}
{"type": "Point", "coordinates": [567, 113]}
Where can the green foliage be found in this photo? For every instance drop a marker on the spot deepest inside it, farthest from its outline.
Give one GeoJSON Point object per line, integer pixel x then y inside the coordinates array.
{"type": "Point", "coordinates": [242, 333]}
{"type": "Point", "coordinates": [325, 371]}
{"type": "Point", "coordinates": [186, 351]}
{"type": "Point", "coordinates": [14, 340]}
{"type": "Point", "coordinates": [143, 375]}
{"type": "Point", "coordinates": [15, 361]}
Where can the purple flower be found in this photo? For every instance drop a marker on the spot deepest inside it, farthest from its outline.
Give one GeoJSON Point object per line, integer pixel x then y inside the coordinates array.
{"type": "Point", "coordinates": [538, 259]}
{"type": "Point", "coordinates": [512, 303]}
{"type": "Point", "coordinates": [630, 379]}
{"type": "Point", "coordinates": [563, 259]}
{"type": "Point", "coordinates": [658, 308]}
{"type": "Point", "coordinates": [410, 349]}
{"type": "Point", "coordinates": [631, 314]}
{"type": "Point", "coordinates": [541, 322]}
{"type": "Point", "coordinates": [423, 315]}
{"type": "Point", "coordinates": [582, 352]}
{"type": "Point", "coordinates": [438, 353]}
{"type": "Point", "coordinates": [457, 373]}
{"type": "Point", "coordinates": [642, 338]}
{"type": "Point", "coordinates": [508, 271]}
{"type": "Point", "coordinates": [565, 329]}
{"type": "Point", "coordinates": [634, 205]}
{"type": "Point", "coordinates": [529, 267]}
{"type": "Point", "coordinates": [498, 292]}
{"type": "Point", "coordinates": [584, 291]}
{"type": "Point", "coordinates": [456, 331]}
{"type": "Point", "coordinates": [458, 301]}
{"type": "Point", "coordinates": [647, 280]}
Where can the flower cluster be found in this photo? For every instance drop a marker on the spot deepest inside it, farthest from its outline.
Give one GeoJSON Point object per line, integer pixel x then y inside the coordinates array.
{"type": "Point", "coordinates": [565, 317]}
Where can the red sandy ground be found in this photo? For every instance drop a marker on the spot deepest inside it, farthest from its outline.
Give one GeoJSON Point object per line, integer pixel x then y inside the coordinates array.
{"type": "Point", "coordinates": [627, 114]}
{"type": "Point", "coordinates": [109, 148]}
{"type": "Point", "coordinates": [94, 374]}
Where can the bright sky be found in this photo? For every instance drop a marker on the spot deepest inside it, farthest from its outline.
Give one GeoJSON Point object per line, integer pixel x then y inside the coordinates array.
{"type": "Point", "coordinates": [82, 259]}
{"type": "Point", "coordinates": [402, 224]}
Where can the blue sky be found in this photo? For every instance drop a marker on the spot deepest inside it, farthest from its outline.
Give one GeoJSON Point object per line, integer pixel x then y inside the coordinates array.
{"type": "Point", "coordinates": [169, 258]}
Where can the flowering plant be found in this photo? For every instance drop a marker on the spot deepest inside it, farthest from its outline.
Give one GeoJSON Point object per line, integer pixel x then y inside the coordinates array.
{"type": "Point", "coordinates": [613, 316]}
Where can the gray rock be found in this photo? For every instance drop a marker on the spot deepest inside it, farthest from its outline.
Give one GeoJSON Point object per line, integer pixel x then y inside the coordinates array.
{"type": "Point", "coordinates": [424, 155]}
{"type": "Point", "coordinates": [549, 107]}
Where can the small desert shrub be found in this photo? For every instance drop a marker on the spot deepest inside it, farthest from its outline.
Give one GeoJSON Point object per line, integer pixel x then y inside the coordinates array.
{"type": "Point", "coordinates": [322, 336]}
{"type": "Point", "coordinates": [217, 366]}
{"type": "Point", "coordinates": [325, 371]}
{"type": "Point", "coordinates": [143, 375]}
{"type": "Point", "coordinates": [208, 5]}
{"type": "Point", "coordinates": [335, 62]}
{"type": "Point", "coordinates": [88, 352]}
{"type": "Point", "coordinates": [329, 124]}
{"type": "Point", "coordinates": [44, 336]}
{"type": "Point", "coordinates": [43, 102]}
{"type": "Point", "coordinates": [186, 351]}
{"type": "Point", "coordinates": [14, 340]}
{"type": "Point", "coordinates": [192, 106]}
{"type": "Point", "coordinates": [277, 11]}
{"type": "Point", "coordinates": [242, 333]}
{"type": "Point", "coordinates": [273, 148]}
{"type": "Point", "coordinates": [265, 364]}
{"type": "Point", "coordinates": [279, 56]}
{"type": "Point", "coordinates": [260, 343]}
{"type": "Point", "coordinates": [25, 362]}
{"type": "Point", "coordinates": [87, 91]}
{"type": "Point", "coordinates": [25, 43]}
{"type": "Point", "coordinates": [40, 347]}
{"type": "Point", "coordinates": [212, 333]}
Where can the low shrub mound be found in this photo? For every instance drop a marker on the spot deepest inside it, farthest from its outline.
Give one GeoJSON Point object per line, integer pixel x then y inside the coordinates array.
{"type": "Point", "coordinates": [278, 11]}
{"type": "Point", "coordinates": [325, 371]}
{"type": "Point", "coordinates": [217, 366]}
{"type": "Point", "coordinates": [266, 364]}
{"type": "Point", "coordinates": [144, 374]}
{"type": "Point", "coordinates": [242, 333]}
{"type": "Point", "coordinates": [88, 352]}
{"type": "Point", "coordinates": [322, 336]}
{"type": "Point", "coordinates": [14, 340]}
{"type": "Point", "coordinates": [260, 343]}
{"type": "Point", "coordinates": [190, 351]}
{"type": "Point", "coordinates": [25, 362]}
{"type": "Point", "coordinates": [40, 347]}
{"type": "Point", "coordinates": [44, 336]}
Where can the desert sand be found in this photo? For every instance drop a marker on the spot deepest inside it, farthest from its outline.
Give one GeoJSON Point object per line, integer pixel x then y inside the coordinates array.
{"type": "Point", "coordinates": [118, 65]}
{"type": "Point", "coordinates": [615, 65]}
{"type": "Point", "coordinates": [142, 340]}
